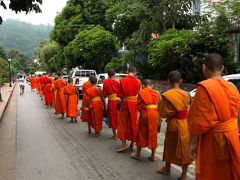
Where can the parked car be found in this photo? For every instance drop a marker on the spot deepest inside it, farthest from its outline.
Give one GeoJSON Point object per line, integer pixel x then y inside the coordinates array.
{"type": "Point", "coordinates": [234, 78]}
{"type": "Point", "coordinates": [103, 76]}
{"type": "Point", "coordinates": [80, 76]}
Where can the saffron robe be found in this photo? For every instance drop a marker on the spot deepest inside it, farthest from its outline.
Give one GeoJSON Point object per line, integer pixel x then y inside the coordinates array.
{"type": "Point", "coordinates": [213, 118]}
{"type": "Point", "coordinates": [127, 116]}
{"type": "Point", "coordinates": [174, 106]}
{"type": "Point", "coordinates": [60, 101]}
{"type": "Point", "coordinates": [85, 115]}
{"type": "Point", "coordinates": [72, 101]}
{"type": "Point", "coordinates": [147, 103]}
{"type": "Point", "coordinates": [48, 94]}
{"type": "Point", "coordinates": [92, 99]}
{"type": "Point", "coordinates": [54, 93]}
{"type": "Point", "coordinates": [110, 89]}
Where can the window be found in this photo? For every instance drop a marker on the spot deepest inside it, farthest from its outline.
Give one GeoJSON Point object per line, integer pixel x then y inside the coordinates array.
{"type": "Point", "coordinates": [77, 73]}
{"type": "Point", "coordinates": [236, 82]}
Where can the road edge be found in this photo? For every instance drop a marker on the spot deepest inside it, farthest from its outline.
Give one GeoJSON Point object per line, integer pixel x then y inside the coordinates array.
{"type": "Point", "coordinates": [7, 101]}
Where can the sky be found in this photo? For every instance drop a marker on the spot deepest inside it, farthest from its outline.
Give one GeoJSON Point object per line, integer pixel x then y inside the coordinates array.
{"type": "Point", "coordinates": [49, 8]}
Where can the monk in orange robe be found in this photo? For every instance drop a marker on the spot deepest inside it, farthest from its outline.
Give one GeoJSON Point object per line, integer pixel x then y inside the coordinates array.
{"type": "Point", "coordinates": [31, 79]}
{"type": "Point", "coordinates": [60, 101]}
{"type": "Point", "coordinates": [85, 115]}
{"type": "Point", "coordinates": [41, 86]}
{"type": "Point", "coordinates": [127, 118]}
{"type": "Point", "coordinates": [48, 94]}
{"type": "Point", "coordinates": [94, 103]}
{"type": "Point", "coordinates": [213, 125]}
{"type": "Point", "coordinates": [110, 89]}
{"type": "Point", "coordinates": [34, 82]}
{"type": "Point", "coordinates": [37, 83]}
{"type": "Point", "coordinates": [147, 105]}
{"type": "Point", "coordinates": [174, 107]}
{"type": "Point", "coordinates": [72, 101]}
{"type": "Point", "coordinates": [54, 93]}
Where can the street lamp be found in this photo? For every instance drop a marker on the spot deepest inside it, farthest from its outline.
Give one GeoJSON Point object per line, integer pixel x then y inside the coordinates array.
{"type": "Point", "coordinates": [9, 61]}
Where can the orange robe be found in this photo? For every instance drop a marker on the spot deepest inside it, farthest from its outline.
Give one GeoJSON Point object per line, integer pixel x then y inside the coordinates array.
{"type": "Point", "coordinates": [31, 79]}
{"type": "Point", "coordinates": [48, 94]}
{"type": "Point", "coordinates": [60, 101]}
{"type": "Point", "coordinates": [85, 115]}
{"type": "Point", "coordinates": [127, 116]}
{"type": "Point", "coordinates": [34, 86]}
{"type": "Point", "coordinates": [174, 107]}
{"type": "Point", "coordinates": [41, 85]}
{"type": "Point", "coordinates": [53, 91]}
{"type": "Point", "coordinates": [72, 101]}
{"type": "Point", "coordinates": [213, 118]}
{"type": "Point", "coordinates": [37, 84]}
{"type": "Point", "coordinates": [147, 132]}
{"type": "Point", "coordinates": [93, 101]}
{"type": "Point", "coordinates": [110, 89]}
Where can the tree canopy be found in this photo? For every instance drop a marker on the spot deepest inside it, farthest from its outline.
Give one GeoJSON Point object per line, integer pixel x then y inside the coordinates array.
{"type": "Point", "coordinates": [23, 5]}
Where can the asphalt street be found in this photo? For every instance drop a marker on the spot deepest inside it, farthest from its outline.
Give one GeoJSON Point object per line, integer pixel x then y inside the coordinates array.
{"type": "Point", "coordinates": [50, 148]}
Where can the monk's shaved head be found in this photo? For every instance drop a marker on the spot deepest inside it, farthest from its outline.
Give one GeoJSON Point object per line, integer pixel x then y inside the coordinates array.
{"type": "Point", "coordinates": [93, 80]}
{"type": "Point", "coordinates": [214, 62]}
{"type": "Point", "coordinates": [111, 73]}
{"type": "Point", "coordinates": [174, 77]}
{"type": "Point", "coordinates": [147, 82]}
{"type": "Point", "coordinates": [70, 80]}
{"type": "Point", "coordinates": [132, 70]}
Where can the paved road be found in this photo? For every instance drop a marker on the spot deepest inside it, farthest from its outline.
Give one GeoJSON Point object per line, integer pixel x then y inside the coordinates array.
{"type": "Point", "coordinates": [49, 148]}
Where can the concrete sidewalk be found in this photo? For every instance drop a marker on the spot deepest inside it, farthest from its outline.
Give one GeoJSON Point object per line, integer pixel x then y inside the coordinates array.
{"type": "Point", "coordinates": [6, 93]}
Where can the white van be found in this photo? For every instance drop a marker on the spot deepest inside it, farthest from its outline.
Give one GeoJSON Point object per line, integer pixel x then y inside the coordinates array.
{"type": "Point", "coordinates": [103, 76]}
{"type": "Point", "coordinates": [80, 76]}
{"type": "Point", "coordinates": [233, 78]}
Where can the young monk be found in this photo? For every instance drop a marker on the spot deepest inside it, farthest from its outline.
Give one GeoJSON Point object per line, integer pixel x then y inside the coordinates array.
{"type": "Point", "coordinates": [72, 101]}
{"type": "Point", "coordinates": [110, 88]}
{"type": "Point", "coordinates": [94, 103]}
{"type": "Point", "coordinates": [127, 118]}
{"type": "Point", "coordinates": [85, 115]}
{"type": "Point", "coordinates": [60, 101]}
{"type": "Point", "coordinates": [54, 93]}
{"type": "Point", "coordinates": [174, 107]}
{"type": "Point", "coordinates": [48, 97]}
{"type": "Point", "coordinates": [147, 104]}
{"type": "Point", "coordinates": [213, 125]}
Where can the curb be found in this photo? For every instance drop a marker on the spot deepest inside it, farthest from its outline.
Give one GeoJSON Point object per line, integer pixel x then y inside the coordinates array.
{"type": "Point", "coordinates": [7, 101]}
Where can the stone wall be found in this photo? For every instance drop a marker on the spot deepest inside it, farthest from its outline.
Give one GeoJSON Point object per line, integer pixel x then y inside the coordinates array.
{"type": "Point", "coordinates": [162, 86]}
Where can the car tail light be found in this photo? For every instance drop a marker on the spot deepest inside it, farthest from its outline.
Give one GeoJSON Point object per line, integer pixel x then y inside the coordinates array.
{"type": "Point", "coordinates": [77, 81]}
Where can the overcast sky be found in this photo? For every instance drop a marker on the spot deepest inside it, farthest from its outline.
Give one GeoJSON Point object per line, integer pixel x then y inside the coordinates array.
{"type": "Point", "coordinates": [49, 11]}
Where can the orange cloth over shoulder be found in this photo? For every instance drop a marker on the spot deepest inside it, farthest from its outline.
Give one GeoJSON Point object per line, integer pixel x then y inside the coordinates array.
{"type": "Point", "coordinates": [60, 101]}
{"type": "Point", "coordinates": [85, 115]}
{"type": "Point", "coordinates": [147, 104]}
{"type": "Point", "coordinates": [213, 118]}
{"type": "Point", "coordinates": [127, 116]}
{"type": "Point", "coordinates": [48, 94]}
{"type": "Point", "coordinates": [174, 106]}
{"type": "Point", "coordinates": [72, 101]}
{"type": "Point", "coordinates": [110, 89]}
{"type": "Point", "coordinates": [93, 101]}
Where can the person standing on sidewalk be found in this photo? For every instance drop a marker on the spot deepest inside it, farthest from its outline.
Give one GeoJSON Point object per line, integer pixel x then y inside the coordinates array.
{"type": "Point", "coordinates": [147, 104]}
{"type": "Point", "coordinates": [85, 115]}
{"type": "Point", "coordinates": [60, 103]}
{"type": "Point", "coordinates": [94, 103]}
{"type": "Point", "coordinates": [127, 119]}
{"type": "Point", "coordinates": [72, 101]}
{"type": "Point", "coordinates": [213, 125]}
{"type": "Point", "coordinates": [174, 107]}
{"type": "Point", "coordinates": [110, 88]}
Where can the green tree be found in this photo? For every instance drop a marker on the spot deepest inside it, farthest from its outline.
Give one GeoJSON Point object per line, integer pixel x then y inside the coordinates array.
{"type": "Point", "coordinates": [23, 5]}
{"type": "Point", "coordinates": [92, 48]}
{"type": "Point", "coordinates": [50, 56]}
{"type": "Point", "coordinates": [4, 71]}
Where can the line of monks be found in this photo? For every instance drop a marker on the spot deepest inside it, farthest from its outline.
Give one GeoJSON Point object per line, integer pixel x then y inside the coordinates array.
{"type": "Point", "coordinates": [204, 129]}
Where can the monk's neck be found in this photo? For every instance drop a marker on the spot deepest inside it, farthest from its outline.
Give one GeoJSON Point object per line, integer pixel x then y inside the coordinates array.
{"type": "Point", "coordinates": [175, 86]}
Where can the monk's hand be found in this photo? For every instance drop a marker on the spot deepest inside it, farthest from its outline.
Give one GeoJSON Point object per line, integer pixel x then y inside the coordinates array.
{"type": "Point", "coordinates": [86, 109]}
{"type": "Point", "coordinates": [193, 147]}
